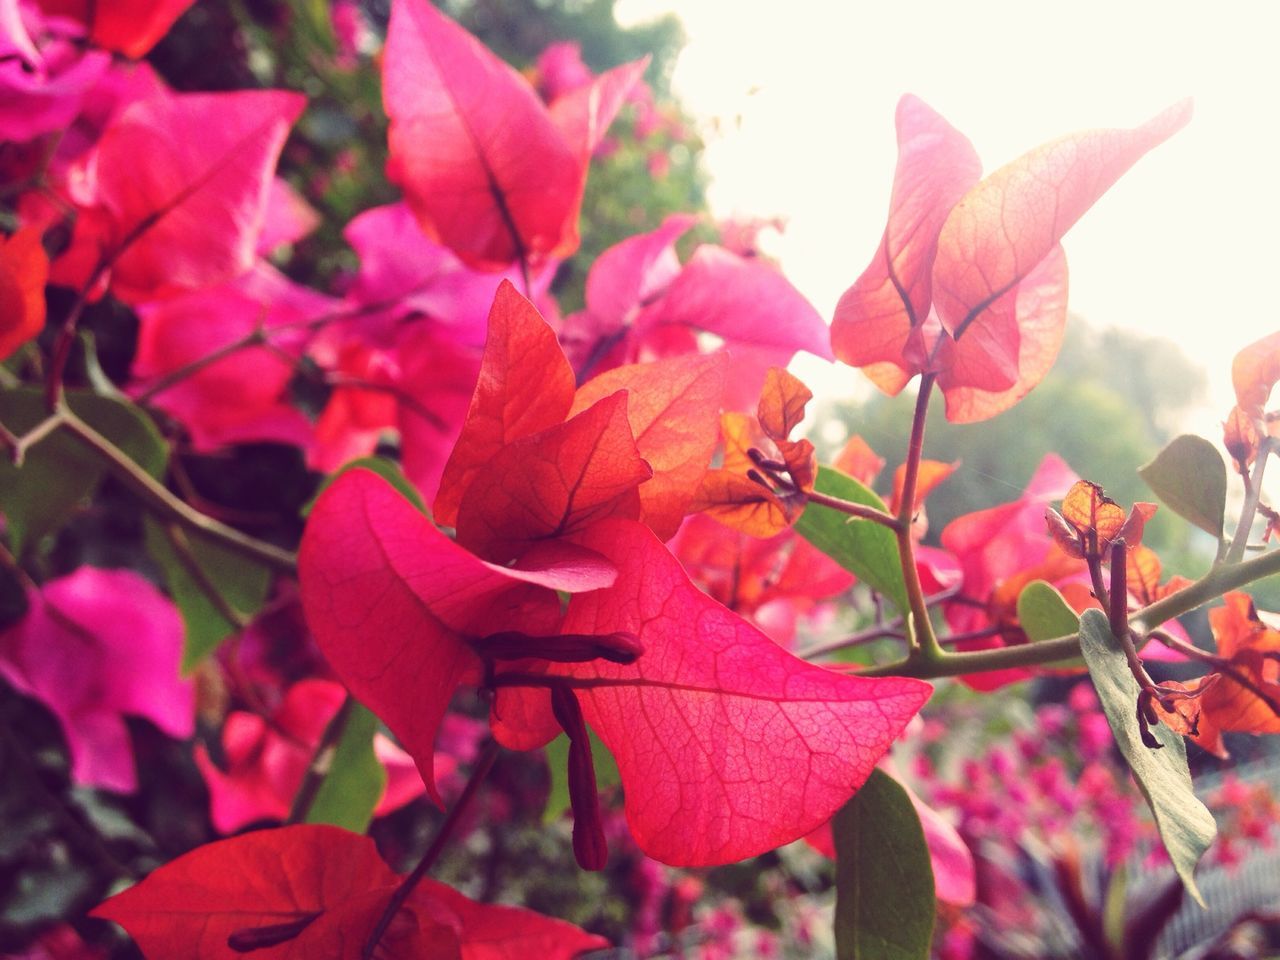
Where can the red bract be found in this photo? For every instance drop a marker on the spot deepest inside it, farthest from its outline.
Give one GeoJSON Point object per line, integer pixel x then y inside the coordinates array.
{"type": "Point", "coordinates": [131, 27]}
{"type": "Point", "coordinates": [727, 745]}
{"type": "Point", "coordinates": [178, 189]}
{"type": "Point", "coordinates": [487, 169]}
{"type": "Point", "coordinates": [316, 891]}
{"type": "Point", "coordinates": [392, 602]}
{"type": "Point", "coordinates": [267, 759]}
{"type": "Point", "coordinates": [969, 283]}
{"type": "Point", "coordinates": [94, 646]}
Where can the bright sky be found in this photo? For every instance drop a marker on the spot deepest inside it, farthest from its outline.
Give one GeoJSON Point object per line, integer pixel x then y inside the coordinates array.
{"type": "Point", "coordinates": [798, 102]}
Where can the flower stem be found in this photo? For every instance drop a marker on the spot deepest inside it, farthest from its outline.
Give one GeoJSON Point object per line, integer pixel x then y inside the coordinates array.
{"type": "Point", "coordinates": [922, 642]}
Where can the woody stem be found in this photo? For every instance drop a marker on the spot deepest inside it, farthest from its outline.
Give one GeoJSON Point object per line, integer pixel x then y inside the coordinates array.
{"type": "Point", "coordinates": [483, 765]}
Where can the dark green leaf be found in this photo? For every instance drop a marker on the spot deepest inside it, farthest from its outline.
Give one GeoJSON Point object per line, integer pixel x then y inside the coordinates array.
{"type": "Point", "coordinates": [867, 549]}
{"type": "Point", "coordinates": [59, 472]}
{"type": "Point", "coordinates": [242, 583]}
{"type": "Point", "coordinates": [1190, 477]}
{"type": "Point", "coordinates": [558, 768]}
{"type": "Point", "coordinates": [884, 879]}
{"type": "Point", "coordinates": [355, 782]}
{"type": "Point", "coordinates": [1186, 826]}
{"type": "Point", "coordinates": [388, 470]}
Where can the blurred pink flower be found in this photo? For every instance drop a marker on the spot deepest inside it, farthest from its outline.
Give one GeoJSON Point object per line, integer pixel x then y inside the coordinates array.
{"type": "Point", "coordinates": [95, 645]}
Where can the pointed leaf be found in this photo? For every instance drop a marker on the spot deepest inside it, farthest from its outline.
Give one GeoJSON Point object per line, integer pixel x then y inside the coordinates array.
{"type": "Point", "coordinates": [867, 549]}
{"type": "Point", "coordinates": [526, 385]}
{"type": "Point", "coordinates": [884, 877]}
{"type": "Point", "coordinates": [1254, 372]}
{"type": "Point", "coordinates": [669, 407]}
{"type": "Point", "coordinates": [482, 165]}
{"type": "Point", "coordinates": [241, 582]}
{"type": "Point", "coordinates": [355, 780]}
{"type": "Point", "coordinates": [131, 27]}
{"type": "Point", "coordinates": [727, 744]}
{"type": "Point", "coordinates": [1186, 826]}
{"type": "Point", "coordinates": [553, 483]}
{"type": "Point", "coordinates": [58, 472]}
{"type": "Point", "coordinates": [388, 470]}
{"type": "Point", "coordinates": [191, 906]}
{"type": "Point", "coordinates": [1190, 476]}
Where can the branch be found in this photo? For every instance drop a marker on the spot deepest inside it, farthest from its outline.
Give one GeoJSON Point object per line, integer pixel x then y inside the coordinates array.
{"type": "Point", "coordinates": [1213, 585]}
{"type": "Point", "coordinates": [1249, 509]}
{"type": "Point", "coordinates": [158, 498]}
{"type": "Point", "coordinates": [920, 636]}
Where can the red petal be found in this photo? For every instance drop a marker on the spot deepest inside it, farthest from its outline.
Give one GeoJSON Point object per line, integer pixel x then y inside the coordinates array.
{"type": "Point", "coordinates": [131, 27]}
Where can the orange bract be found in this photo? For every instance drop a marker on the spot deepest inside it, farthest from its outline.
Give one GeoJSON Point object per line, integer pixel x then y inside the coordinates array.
{"type": "Point", "coordinates": [24, 269]}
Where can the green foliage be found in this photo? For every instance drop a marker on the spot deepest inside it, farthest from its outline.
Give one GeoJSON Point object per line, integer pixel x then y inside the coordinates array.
{"type": "Point", "coordinates": [884, 878]}
{"type": "Point", "coordinates": [1186, 826]}
{"type": "Point", "coordinates": [59, 472]}
{"type": "Point", "coordinates": [1190, 477]}
{"type": "Point", "coordinates": [349, 794]}
{"type": "Point", "coordinates": [193, 567]}
{"type": "Point", "coordinates": [865, 548]}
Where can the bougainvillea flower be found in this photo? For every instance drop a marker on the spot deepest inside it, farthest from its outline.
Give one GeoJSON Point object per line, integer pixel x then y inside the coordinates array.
{"type": "Point", "coordinates": [1235, 699]}
{"type": "Point", "coordinates": [641, 304]}
{"type": "Point", "coordinates": [44, 73]}
{"type": "Point", "coordinates": [24, 270]}
{"type": "Point", "coordinates": [243, 396]}
{"type": "Point", "coordinates": [969, 282]}
{"type": "Point", "coordinates": [131, 27]}
{"type": "Point", "coordinates": [287, 217]}
{"type": "Point", "coordinates": [488, 170]}
{"type": "Point", "coordinates": [525, 401]}
{"type": "Point", "coordinates": [93, 646]}
{"type": "Point", "coordinates": [267, 759]}
{"type": "Point", "coordinates": [180, 190]}
{"type": "Point", "coordinates": [1091, 522]}
{"type": "Point", "coordinates": [318, 891]}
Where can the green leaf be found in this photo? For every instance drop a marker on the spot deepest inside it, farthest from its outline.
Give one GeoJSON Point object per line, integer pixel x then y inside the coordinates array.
{"type": "Point", "coordinates": [885, 899]}
{"type": "Point", "coordinates": [242, 583]}
{"type": "Point", "coordinates": [558, 767]}
{"type": "Point", "coordinates": [1186, 826]}
{"type": "Point", "coordinates": [388, 470]}
{"type": "Point", "coordinates": [1044, 614]}
{"type": "Point", "coordinates": [355, 782]}
{"type": "Point", "coordinates": [867, 549]}
{"type": "Point", "coordinates": [1190, 476]}
{"type": "Point", "coordinates": [59, 472]}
